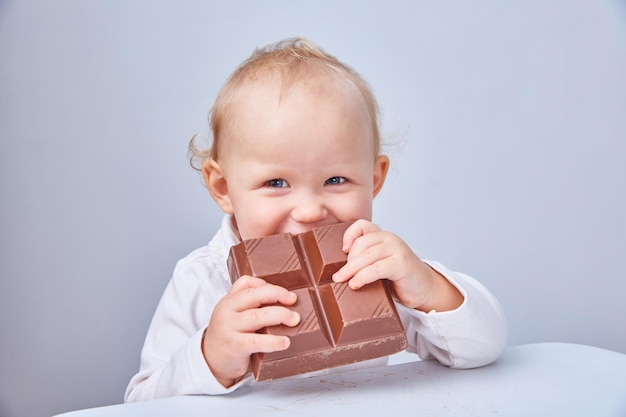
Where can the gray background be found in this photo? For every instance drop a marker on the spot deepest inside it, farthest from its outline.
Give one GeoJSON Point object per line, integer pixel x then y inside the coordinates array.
{"type": "Point", "coordinates": [507, 123]}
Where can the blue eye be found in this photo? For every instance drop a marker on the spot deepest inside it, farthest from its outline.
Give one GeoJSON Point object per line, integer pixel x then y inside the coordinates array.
{"type": "Point", "coordinates": [277, 183]}
{"type": "Point", "coordinates": [334, 180]}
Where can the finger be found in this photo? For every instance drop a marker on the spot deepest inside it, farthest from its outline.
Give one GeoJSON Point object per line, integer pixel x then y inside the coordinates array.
{"type": "Point", "coordinates": [267, 294]}
{"type": "Point", "coordinates": [370, 273]}
{"type": "Point", "coordinates": [265, 343]}
{"type": "Point", "coordinates": [257, 318]}
{"type": "Point", "coordinates": [355, 230]}
{"type": "Point", "coordinates": [366, 250]}
{"type": "Point", "coordinates": [247, 281]}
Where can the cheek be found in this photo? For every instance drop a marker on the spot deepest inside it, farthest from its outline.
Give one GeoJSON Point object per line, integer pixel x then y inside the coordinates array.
{"type": "Point", "coordinates": [257, 220]}
{"type": "Point", "coordinates": [366, 211]}
{"type": "Point", "coordinates": [355, 207]}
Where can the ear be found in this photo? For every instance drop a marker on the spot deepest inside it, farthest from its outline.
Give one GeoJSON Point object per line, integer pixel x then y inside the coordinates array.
{"type": "Point", "coordinates": [381, 166]}
{"type": "Point", "coordinates": [215, 182]}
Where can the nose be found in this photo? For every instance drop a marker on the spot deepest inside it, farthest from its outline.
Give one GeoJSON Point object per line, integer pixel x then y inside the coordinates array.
{"type": "Point", "coordinates": [309, 209]}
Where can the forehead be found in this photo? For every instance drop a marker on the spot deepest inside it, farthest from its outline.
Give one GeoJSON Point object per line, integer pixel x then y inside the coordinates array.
{"type": "Point", "coordinates": [279, 84]}
{"type": "Point", "coordinates": [271, 102]}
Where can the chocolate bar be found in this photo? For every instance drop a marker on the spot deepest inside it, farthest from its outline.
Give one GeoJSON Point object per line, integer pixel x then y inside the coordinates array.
{"type": "Point", "coordinates": [338, 325]}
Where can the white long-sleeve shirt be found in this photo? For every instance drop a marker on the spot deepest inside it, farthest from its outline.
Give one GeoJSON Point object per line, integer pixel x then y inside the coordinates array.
{"type": "Point", "coordinates": [172, 362]}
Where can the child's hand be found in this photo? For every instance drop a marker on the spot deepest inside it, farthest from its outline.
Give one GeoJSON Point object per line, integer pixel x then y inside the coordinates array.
{"type": "Point", "coordinates": [375, 254]}
{"type": "Point", "coordinates": [231, 336]}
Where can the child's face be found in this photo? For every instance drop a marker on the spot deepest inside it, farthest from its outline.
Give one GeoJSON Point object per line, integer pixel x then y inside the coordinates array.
{"type": "Point", "coordinates": [292, 163]}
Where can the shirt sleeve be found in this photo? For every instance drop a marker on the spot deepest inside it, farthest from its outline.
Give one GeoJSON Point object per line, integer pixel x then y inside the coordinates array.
{"type": "Point", "coordinates": [473, 335]}
{"type": "Point", "coordinates": [171, 359]}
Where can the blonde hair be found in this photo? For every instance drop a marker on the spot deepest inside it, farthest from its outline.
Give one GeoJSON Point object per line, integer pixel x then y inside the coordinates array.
{"type": "Point", "coordinates": [293, 59]}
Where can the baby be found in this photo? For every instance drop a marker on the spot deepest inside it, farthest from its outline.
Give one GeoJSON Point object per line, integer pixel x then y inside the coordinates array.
{"type": "Point", "coordinates": [296, 145]}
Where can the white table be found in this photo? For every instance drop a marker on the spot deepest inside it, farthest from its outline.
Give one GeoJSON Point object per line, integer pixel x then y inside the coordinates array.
{"type": "Point", "coordinates": [546, 379]}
